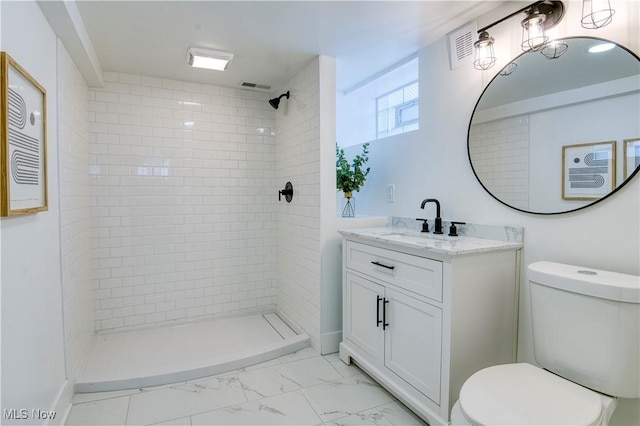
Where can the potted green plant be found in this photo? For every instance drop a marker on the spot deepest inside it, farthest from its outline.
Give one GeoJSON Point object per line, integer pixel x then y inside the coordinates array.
{"type": "Point", "coordinates": [350, 177]}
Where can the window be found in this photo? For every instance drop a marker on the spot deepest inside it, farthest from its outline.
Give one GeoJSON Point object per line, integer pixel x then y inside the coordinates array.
{"type": "Point", "coordinates": [397, 111]}
{"type": "Point", "coordinates": [381, 105]}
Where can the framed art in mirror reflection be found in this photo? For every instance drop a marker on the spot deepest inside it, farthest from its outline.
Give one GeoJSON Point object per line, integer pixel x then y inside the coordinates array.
{"type": "Point", "coordinates": [631, 156]}
{"type": "Point", "coordinates": [588, 170]}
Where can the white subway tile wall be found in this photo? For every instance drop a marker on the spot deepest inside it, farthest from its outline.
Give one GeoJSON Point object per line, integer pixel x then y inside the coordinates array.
{"type": "Point", "coordinates": [183, 201]}
{"type": "Point", "coordinates": [500, 152]}
{"type": "Point", "coordinates": [75, 212]}
{"type": "Point", "coordinates": [298, 222]}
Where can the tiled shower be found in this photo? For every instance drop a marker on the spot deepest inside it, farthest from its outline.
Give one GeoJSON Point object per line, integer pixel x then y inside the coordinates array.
{"type": "Point", "coordinates": [179, 205]}
{"type": "Point", "coordinates": [182, 200]}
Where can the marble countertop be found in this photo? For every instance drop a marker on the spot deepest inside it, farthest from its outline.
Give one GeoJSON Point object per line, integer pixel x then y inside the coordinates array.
{"type": "Point", "coordinates": [430, 242]}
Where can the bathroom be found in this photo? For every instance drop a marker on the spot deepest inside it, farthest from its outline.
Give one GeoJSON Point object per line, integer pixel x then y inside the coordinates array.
{"type": "Point", "coordinates": [50, 261]}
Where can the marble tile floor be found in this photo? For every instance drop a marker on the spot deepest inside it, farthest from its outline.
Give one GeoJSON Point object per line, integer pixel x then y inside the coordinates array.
{"type": "Point", "coordinates": [303, 388]}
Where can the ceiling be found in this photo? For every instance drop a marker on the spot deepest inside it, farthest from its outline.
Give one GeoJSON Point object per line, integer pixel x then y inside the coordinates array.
{"type": "Point", "coordinates": [574, 69]}
{"type": "Point", "coordinates": [271, 41]}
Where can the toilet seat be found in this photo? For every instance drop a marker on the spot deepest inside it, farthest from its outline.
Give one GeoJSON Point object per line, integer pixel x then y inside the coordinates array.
{"type": "Point", "coordinates": [521, 394]}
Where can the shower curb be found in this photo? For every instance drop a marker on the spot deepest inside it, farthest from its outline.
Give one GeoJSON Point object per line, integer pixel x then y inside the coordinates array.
{"type": "Point", "coordinates": [217, 366]}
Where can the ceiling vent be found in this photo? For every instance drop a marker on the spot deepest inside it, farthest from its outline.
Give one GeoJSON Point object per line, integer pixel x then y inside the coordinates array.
{"type": "Point", "coordinates": [255, 86]}
{"type": "Point", "coordinates": [461, 45]}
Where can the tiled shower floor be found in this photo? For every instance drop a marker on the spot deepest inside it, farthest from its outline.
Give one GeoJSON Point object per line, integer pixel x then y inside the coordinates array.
{"type": "Point", "coordinates": [156, 356]}
{"type": "Point", "coordinates": [302, 388]}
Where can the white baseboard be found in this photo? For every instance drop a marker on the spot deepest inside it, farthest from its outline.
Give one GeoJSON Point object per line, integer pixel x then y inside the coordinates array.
{"type": "Point", "coordinates": [330, 342]}
{"type": "Point", "coordinates": [62, 406]}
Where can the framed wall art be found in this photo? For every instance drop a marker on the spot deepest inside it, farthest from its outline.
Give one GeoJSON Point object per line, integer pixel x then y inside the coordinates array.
{"type": "Point", "coordinates": [23, 144]}
{"type": "Point", "coordinates": [631, 156]}
{"type": "Point", "coordinates": [588, 170]}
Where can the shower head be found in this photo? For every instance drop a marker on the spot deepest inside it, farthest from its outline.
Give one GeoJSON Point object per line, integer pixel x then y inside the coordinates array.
{"type": "Point", "coordinates": [275, 102]}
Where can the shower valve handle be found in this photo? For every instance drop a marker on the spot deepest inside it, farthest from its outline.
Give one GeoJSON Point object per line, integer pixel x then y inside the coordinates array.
{"type": "Point", "coordinates": [287, 192]}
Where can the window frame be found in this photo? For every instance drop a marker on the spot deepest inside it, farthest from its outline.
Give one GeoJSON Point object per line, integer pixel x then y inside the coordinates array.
{"type": "Point", "coordinates": [398, 109]}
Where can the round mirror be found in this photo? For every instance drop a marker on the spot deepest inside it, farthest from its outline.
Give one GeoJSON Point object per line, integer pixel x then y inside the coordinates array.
{"type": "Point", "coordinates": [556, 133]}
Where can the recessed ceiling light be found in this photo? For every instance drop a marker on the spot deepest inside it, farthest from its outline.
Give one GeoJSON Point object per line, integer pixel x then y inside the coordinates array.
{"type": "Point", "coordinates": [603, 47]}
{"type": "Point", "coordinates": [209, 59]}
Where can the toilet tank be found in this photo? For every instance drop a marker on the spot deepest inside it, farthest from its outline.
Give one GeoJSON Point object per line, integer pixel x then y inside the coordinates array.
{"type": "Point", "coordinates": [586, 326]}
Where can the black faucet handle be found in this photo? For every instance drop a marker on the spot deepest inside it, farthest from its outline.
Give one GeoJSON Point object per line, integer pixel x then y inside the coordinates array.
{"type": "Point", "coordinates": [425, 225]}
{"type": "Point", "coordinates": [453, 231]}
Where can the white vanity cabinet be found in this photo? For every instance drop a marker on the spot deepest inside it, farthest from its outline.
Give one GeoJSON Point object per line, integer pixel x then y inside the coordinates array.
{"type": "Point", "coordinates": [421, 322]}
{"type": "Point", "coordinates": [381, 319]}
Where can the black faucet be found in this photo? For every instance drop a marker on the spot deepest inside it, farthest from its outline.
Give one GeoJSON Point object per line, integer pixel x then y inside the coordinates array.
{"type": "Point", "coordinates": [438, 227]}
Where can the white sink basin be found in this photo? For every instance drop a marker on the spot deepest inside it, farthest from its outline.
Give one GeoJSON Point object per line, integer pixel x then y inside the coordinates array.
{"type": "Point", "coordinates": [416, 237]}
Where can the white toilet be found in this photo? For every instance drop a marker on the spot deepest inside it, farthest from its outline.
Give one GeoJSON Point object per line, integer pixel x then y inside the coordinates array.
{"type": "Point", "coordinates": [586, 336]}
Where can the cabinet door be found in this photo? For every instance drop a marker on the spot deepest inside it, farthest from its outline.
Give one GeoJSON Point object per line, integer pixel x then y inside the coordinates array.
{"type": "Point", "coordinates": [363, 310]}
{"type": "Point", "coordinates": [413, 342]}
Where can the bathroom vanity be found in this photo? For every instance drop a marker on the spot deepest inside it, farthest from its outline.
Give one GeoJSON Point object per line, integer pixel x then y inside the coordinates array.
{"type": "Point", "coordinates": [422, 312]}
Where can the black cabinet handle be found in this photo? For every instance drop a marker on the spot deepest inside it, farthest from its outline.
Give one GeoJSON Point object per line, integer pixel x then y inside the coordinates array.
{"type": "Point", "coordinates": [384, 266]}
{"type": "Point", "coordinates": [378, 320]}
{"type": "Point", "coordinates": [385, 324]}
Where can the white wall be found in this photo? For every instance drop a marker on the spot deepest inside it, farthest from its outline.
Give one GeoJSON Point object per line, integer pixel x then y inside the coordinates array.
{"type": "Point", "coordinates": [33, 370]}
{"type": "Point", "coordinates": [356, 110]}
{"type": "Point", "coordinates": [312, 296]}
{"type": "Point", "coordinates": [75, 213]}
{"type": "Point", "coordinates": [432, 162]}
{"type": "Point", "coordinates": [300, 155]}
{"type": "Point", "coordinates": [181, 177]}
{"type": "Point", "coordinates": [309, 279]}
{"type": "Point", "coordinates": [330, 253]}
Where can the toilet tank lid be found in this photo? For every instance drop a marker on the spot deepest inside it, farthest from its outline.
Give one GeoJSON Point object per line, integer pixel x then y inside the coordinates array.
{"type": "Point", "coordinates": [588, 281]}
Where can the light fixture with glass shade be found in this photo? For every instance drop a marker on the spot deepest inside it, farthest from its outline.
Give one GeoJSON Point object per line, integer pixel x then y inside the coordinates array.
{"type": "Point", "coordinates": [540, 16]}
{"type": "Point", "coordinates": [596, 13]}
{"type": "Point", "coordinates": [533, 36]}
{"type": "Point", "coordinates": [209, 59]}
{"type": "Point", "coordinates": [484, 57]}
